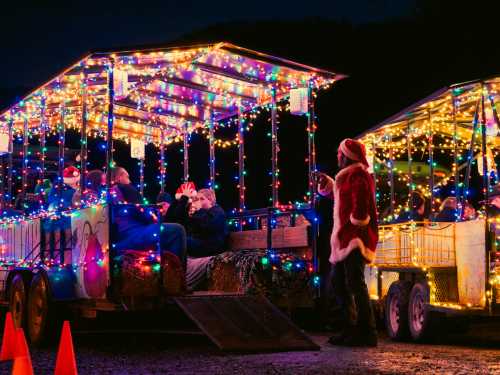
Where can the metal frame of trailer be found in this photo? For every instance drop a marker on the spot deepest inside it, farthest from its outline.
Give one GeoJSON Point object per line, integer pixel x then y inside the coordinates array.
{"type": "Point", "coordinates": [158, 95]}
{"type": "Point", "coordinates": [427, 269]}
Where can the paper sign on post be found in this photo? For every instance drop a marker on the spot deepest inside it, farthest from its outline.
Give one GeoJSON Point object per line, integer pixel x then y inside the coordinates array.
{"type": "Point", "coordinates": [137, 149]}
{"type": "Point", "coordinates": [299, 101]}
{"type": "Point", "coordinates": [4, 143]}
{"type": "Point", "coordinates": [120, 83]}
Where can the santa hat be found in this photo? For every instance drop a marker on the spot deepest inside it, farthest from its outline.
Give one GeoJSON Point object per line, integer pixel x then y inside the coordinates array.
{"type": "Point", "coordinates": [71, 175]}
{"type": "Point", "coordinates": [354, 150]}
{"type": "Point", "coordinates": [185, 186]}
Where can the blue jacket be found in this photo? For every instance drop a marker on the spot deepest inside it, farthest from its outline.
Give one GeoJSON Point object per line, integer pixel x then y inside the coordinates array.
{"type": "Point", "coordinates": [209, 226]}
{"type": "Point", "coordinates": [63, 199]}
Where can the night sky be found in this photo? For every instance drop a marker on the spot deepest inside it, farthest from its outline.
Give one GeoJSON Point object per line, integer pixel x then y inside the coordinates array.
{"type": "Point", "coordinates": [41, 37]}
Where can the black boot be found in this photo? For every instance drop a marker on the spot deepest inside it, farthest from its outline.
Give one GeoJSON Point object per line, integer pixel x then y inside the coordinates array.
{"type": "Point", "coordinates": [340, 338]}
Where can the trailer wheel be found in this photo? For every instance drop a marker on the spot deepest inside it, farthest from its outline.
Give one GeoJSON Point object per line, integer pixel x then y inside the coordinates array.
{"type": "Point", "coordinates": [396, 310]}
{"type": "Point", "coordinates": [17, 301]}
{"type": "Point", "coordinates": [421, 320]}
{"type": "Point", "coordinates": [41, 314]}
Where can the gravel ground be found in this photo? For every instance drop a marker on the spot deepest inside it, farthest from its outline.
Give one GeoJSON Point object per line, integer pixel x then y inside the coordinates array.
{"type": "Point", "coordinates": [161, 353]}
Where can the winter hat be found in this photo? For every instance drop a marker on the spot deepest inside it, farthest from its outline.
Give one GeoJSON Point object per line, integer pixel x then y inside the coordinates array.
{"type": "Point", "coordinates": [185, 186]}
{"type": "Point", "coordinates": [164, 197]}
{"type": "Point", "coordinates": [354, 150]}
{"type": "Point", "coordinates": [71, 175]}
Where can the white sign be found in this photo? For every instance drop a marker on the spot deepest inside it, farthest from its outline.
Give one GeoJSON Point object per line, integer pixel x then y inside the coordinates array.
{"type": "Point", "coordinates": [299, 101]}
{"type": "Point", "coordinates": [120, 83]}
{"type": "Point", "coordinates": [4, 143]}
{"type": "Point", "coordinates": [137, 149]}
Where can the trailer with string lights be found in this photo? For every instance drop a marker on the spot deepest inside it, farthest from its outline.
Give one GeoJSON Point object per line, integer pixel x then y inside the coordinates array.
{"type": "Point", "coordinates": [154, 98]}
{"type": "Point", "coordinates": [438, 257]}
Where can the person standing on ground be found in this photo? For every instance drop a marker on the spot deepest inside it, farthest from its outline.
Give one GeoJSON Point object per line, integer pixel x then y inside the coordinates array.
{"type": "Point", "coordinates": [353, 242]}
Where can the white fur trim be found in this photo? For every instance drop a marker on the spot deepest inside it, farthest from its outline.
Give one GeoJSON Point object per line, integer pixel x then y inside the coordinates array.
{"type": "Point", "coordinates": [337, 254]}
{"type": "Point", "coordinates": [360, 223]}
{"type": "Point", "coordinates": [71, 180]}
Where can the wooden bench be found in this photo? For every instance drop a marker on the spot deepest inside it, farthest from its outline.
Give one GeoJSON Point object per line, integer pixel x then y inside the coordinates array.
{"type": "Point", "coordinates": [281, 238]}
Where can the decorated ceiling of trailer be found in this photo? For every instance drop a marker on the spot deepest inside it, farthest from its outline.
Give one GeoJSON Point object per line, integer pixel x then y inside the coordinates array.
{"type": "Point", "coordinates": [447, 112]}
{"type": "Point", "coordinates": [436, 145]}
{"type": "Point", "coordinates": [160, 92]}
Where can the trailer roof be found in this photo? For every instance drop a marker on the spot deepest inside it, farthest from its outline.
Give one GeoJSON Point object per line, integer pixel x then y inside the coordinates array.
{"type": "Point", "coordinates": [162, 89]}
{"type": "Point", "coordinates": [437, 110]}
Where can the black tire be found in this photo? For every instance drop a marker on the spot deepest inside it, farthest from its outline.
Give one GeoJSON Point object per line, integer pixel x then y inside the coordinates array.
{"type": "Point", "coordinates": [42, 319]}
{"type": "Point", "coordinates": [421, 321]}
{"type": "Point", "coordinates": [396, 310]}
{"type": "Point", "coordinates": [17, 301]}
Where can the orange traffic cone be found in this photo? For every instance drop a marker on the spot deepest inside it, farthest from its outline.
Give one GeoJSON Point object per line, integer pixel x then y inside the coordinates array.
{"type": "Point", "coordinates": [9, 339]}
{"type": "Point", "coordinates": [22, 359]}
{"type": "Point", "coordinates": [66, 362]}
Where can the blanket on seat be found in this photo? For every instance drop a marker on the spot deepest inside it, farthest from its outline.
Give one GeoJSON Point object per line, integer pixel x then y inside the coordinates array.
{"type": "Point", "coordinates": [283, 277]}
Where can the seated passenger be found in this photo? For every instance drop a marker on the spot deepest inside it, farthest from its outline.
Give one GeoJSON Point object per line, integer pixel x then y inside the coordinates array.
{"type": "Point", "coordinates": [136, 227]}
{"type": "Point", "coordinates": [61, 197]}
{"type": "Point", "coordinates": [178, 209]}
{"type": "Point", "coordinates": [95, 185]}
{"type": "Point", "coordinates": [164, 201]}
{"type": "Point", "coordinates": [469, 212]}
{"type": "Point", "coordinates": [207, 229]}
{"type": "Point", "coordinates": [416, 210]}
{"type": "Point", "coordinates": [7, 211]}
{"type": "Point", "coordinates": [493, 204]}
{"type": "Point", "coordinates": [448, 212]}
{"type": "Point", "coordinates": [42, 190]}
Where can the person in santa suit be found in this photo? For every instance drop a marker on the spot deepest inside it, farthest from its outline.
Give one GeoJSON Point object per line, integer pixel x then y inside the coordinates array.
{"type": "Point", "coordinates": [353, 242]}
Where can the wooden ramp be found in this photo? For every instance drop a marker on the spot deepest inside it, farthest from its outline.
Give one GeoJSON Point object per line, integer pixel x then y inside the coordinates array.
{"type": "Point", "coordinates": [244, 323]}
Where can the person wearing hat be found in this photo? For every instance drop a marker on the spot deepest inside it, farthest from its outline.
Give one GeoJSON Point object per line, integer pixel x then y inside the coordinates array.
{"type": "Point", "coordinates": [42, 190]}
{"type": "Point", "coordinates": [61, 197]}
{"type": "Point", "coordinates": [416, 209]}
{"type": "Point", "coordinates": [177, 210]}
{"type": "Point", "coordinates": [353, 242]}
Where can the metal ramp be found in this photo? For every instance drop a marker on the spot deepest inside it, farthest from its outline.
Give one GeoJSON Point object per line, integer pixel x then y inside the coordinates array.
{"type": "Point", "coordinates": [244, 323]}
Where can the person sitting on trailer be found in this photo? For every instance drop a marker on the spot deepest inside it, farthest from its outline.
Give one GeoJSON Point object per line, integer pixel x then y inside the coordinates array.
{"type": "Point", "coordinates": [7, 211]}
{"type": "Point", "coordinates": [469, 212]}
{"type": "Point", "coordinates": [61, 197]}
{"type": "Point", "coordinates": [207, 229]}
{"type": "Point", "coordinates": [177, 210]}
{"type": "Point", "coordinates": [416, 212]}
{"type": "Point", "coordinates": [137, 227]}
{"type": "Point", "coordinates": [42, 191]}
{"type": "Point", "coordinates": [493, 204]}
{"type": "Point", "coordinates": [95, 186]}
{"type": "Point", "coordinates": [448, 212]}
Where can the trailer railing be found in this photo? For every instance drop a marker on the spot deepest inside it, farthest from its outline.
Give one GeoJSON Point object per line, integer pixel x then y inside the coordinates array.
{"type": "Point", "coordinates": [416, 244]}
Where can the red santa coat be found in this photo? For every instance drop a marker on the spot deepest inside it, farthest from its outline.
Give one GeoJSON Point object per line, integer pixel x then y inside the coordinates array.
{"type": "Point", "coordinates": [354, 214]}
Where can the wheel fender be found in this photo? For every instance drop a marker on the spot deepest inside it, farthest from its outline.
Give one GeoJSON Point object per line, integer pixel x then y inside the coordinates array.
{"type": "Point", "coordinates": [27, 275]}
{"type": "Point", "coordinates": [61, 283]}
